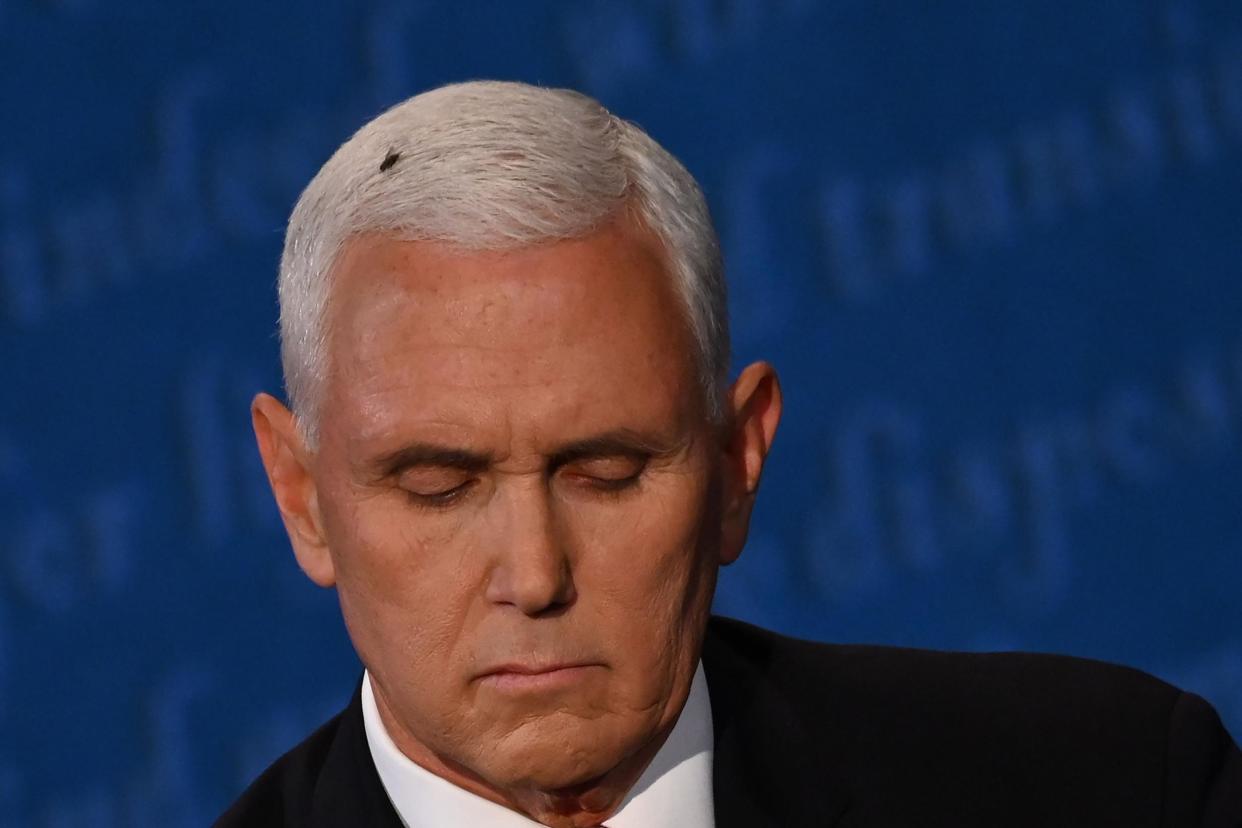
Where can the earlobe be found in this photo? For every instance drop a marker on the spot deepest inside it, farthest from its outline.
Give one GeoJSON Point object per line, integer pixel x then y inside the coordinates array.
{"type": "Point", "coordinates": [755, 411]}
{"type": "Point", "coordinates": [287, 463]}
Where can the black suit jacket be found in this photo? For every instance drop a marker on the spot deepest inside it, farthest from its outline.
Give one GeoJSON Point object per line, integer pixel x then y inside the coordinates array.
{"type": "Point", "coordinates": [850, 736]}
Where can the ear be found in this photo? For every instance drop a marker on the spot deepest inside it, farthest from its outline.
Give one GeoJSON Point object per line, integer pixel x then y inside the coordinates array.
{"type": "Point", "coordinates": [754, 410]}
{"type": "Point", "coordinates": [288, 465]}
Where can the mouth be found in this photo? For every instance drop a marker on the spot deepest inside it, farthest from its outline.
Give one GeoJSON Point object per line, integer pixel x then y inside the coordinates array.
{"type": "Point", "coordinates": [523, 678]}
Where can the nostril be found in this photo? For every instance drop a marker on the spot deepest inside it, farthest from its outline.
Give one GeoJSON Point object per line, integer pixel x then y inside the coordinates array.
{"type": "Point", "coordinates": [536, 585]}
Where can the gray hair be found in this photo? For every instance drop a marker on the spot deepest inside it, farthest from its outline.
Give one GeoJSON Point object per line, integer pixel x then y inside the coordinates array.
{"type": "Point", "coordinates": [491, 165]}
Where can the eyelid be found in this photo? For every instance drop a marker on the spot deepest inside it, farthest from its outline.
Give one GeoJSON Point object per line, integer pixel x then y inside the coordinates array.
{"type": "Point", "coordinates": [605, 463]}
{"type": "Point", "coordinates": [432, 482]}
{"type": "Point", "coordinates": [630, 469]}
{"type": "Point", "coordinates": [441, 499]}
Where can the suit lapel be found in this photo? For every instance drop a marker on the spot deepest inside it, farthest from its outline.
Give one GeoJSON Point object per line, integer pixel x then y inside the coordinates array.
{"type": "Point", "coordinates": [348, 792]}
{"type": "Point", "coordinates": [768, 769]}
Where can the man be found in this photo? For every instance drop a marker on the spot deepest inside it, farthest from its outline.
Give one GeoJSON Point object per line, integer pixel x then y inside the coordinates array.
{"type": "Point", "coordinates": [513, 452]}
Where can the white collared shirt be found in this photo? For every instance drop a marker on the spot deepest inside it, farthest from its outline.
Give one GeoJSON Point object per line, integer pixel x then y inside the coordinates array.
{"type": "Point", "coordinates": [675, 791]}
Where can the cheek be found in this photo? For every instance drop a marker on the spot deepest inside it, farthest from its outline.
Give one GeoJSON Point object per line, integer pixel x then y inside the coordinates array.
{"type": "Point", "coordinates": [649, 559]}
{"type": "Point", "coordinates": [404, 584]}
{"type": "Point", "coordinates": [645, 576]}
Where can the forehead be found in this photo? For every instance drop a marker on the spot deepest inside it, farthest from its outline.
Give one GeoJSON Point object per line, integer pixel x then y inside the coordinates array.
{"type": "Point", "coordinates": [562, 334]}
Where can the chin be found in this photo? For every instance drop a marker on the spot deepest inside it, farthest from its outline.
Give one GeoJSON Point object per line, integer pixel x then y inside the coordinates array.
{"type": "Point", "coordinates": [551, 756]}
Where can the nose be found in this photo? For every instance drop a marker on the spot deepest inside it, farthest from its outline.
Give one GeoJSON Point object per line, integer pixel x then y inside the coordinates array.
{"type": "Point", "coordinates": [532, 570]}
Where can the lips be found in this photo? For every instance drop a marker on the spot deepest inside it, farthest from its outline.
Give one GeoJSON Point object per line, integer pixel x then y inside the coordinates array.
{"type": "Point", "coordinates": [531, 669]}
{"type": "Point", "coordinates": [523, 677]}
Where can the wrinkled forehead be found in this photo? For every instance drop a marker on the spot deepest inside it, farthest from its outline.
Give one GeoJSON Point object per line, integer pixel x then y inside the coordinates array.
{"type": "Point", "coordinates": [424, 329]}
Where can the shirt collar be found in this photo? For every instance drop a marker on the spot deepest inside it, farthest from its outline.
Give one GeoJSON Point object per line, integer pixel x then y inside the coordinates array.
{"type": "Point", "coordinates": [675, 791]}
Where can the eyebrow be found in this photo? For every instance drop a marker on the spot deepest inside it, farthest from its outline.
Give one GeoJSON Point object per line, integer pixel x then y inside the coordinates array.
{"type": "Point", "coordinates": [619, 442]}
{"type": "Point", "coordinates": [430, 454]}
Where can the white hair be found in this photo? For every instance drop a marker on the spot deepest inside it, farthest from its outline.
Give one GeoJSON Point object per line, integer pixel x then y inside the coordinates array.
{"type": "Point", "coordinates": [491, 165]}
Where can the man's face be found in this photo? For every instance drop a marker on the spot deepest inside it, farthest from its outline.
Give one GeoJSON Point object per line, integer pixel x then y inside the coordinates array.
{"type": "Point", "coordinates": [520, 497]}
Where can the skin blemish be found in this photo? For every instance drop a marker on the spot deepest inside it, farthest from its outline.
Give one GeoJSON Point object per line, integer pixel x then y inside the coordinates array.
{"type": "Point", "coordinates": [392, 158]}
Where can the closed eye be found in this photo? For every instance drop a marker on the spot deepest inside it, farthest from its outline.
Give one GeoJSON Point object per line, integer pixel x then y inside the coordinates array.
{"type": "Point", "coordinates": [606, 484]}
{"type": "Point", "coordinates": [435, 486]}
{"type": "Point", "coordinates": [606, 474]}
{"type": "Point", "coordinates": [441, 498]}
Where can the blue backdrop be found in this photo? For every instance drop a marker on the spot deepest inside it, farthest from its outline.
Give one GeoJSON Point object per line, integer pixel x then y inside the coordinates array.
{"type": "Point", "coordinates": [993, 248]}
